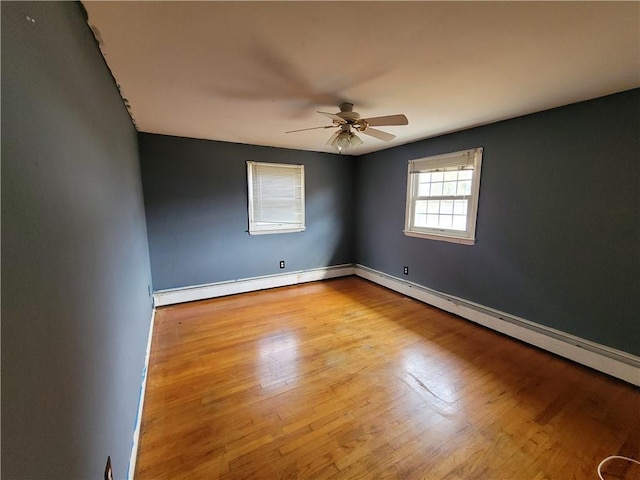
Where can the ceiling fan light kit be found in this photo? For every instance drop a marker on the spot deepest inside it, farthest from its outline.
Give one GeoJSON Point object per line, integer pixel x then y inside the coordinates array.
{"type": "Point", "coordinates": [344, 139]}
{"type": "Point", "coordinates": [347, 121]}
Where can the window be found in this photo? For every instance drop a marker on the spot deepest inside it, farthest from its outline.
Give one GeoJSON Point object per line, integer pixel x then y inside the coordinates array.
{"type": "Point", "coordinates": [442, 196]}
{"type": "Point", "coordinates": [276, 198]}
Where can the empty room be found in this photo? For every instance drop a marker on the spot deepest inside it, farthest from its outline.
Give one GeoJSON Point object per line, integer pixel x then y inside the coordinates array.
{"type": "Point", "coordinates": [320, 240]}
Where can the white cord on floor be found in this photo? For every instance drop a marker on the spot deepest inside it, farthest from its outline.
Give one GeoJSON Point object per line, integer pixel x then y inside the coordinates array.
{"type": "Point", "coordinates": [612, 457]}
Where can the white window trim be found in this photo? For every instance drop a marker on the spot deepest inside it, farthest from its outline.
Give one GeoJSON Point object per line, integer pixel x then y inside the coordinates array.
{"type": "Point", "coordinates": [257, 229]}
{"type": "Point", "coordinates": [468, 237]}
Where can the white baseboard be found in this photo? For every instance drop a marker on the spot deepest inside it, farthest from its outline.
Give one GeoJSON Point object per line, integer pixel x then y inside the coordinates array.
{"type": "Point", "coordinates": [131, 470]}
{"type": "Point", "coordinates": [605, 359]}
{"type": "Point", "coordinates": [202, 292]}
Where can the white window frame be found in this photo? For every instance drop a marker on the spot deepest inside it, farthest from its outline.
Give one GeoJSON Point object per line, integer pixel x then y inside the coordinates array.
{"type": "Point", "coordinates": [466, 159]}
{"type": "Point", "coordinates": [265, 218]}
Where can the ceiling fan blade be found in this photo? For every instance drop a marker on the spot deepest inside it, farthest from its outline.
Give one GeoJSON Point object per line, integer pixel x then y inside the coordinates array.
{"type": "Point", "coordinates": [333, 117]}
{"type": "Point", "coordinates": [333, 138]}
{"type": "Point", "coordinates": [379, 134]}
{"type": "Point", "coordinates": [387, 120]}
{"type": "Point", "coordinates": [312, 128]}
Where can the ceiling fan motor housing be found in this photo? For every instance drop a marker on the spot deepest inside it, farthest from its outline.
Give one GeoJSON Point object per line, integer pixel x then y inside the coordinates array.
{"type": "Point", "coordinates": [350, 117]}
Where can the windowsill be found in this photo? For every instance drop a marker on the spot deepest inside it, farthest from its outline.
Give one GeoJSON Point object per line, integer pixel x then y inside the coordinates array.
{"type": "Point", "coordinates": [282, 230]}
{"type": "Point", "coordinates": [442, 238]}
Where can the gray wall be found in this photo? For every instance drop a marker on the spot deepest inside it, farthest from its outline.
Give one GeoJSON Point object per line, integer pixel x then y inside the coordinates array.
{"type": "Point", "coordinates": [558, 233]}
{"type": "Point", "coordinates": [75, 264]}
{"type": "Point", "coordinates": [195, 194]}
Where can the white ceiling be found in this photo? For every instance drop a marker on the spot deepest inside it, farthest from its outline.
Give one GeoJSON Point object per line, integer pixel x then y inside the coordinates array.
{"type": "Point", "coordinates": [249, 71]}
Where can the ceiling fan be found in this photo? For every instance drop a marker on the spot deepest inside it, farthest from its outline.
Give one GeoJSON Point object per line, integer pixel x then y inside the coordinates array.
{"type": "Point", "coordinates": [348, 122]}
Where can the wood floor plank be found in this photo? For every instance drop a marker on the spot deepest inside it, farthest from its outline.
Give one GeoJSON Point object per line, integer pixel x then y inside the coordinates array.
{"type": "Point", "coordinates": [343, 379]}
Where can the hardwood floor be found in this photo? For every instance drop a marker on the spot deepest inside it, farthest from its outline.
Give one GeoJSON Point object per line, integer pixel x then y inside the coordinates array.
{"type": "Point", "coordinates": [344, 379]}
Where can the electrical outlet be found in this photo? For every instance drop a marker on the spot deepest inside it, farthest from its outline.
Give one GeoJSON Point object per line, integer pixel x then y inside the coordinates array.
{"type": "Point", "coordinates": [281, 263]}
{"type": "Point", "coordinates": [406, 270]}
{"type": "Point", "coordinates": [108, 471]}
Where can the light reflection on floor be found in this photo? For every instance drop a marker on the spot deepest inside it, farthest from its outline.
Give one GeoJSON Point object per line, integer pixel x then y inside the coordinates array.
{"type": "Point", "coordinates": [277, 358]}
{"type": "Point", "coordinates": [426, 378]}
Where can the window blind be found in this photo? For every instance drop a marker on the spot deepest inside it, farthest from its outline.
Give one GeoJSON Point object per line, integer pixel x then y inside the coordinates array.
{"type": "Point", "coordinates": [276, 197]}
{"type": "Point", "coordinates": [457, 160]}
